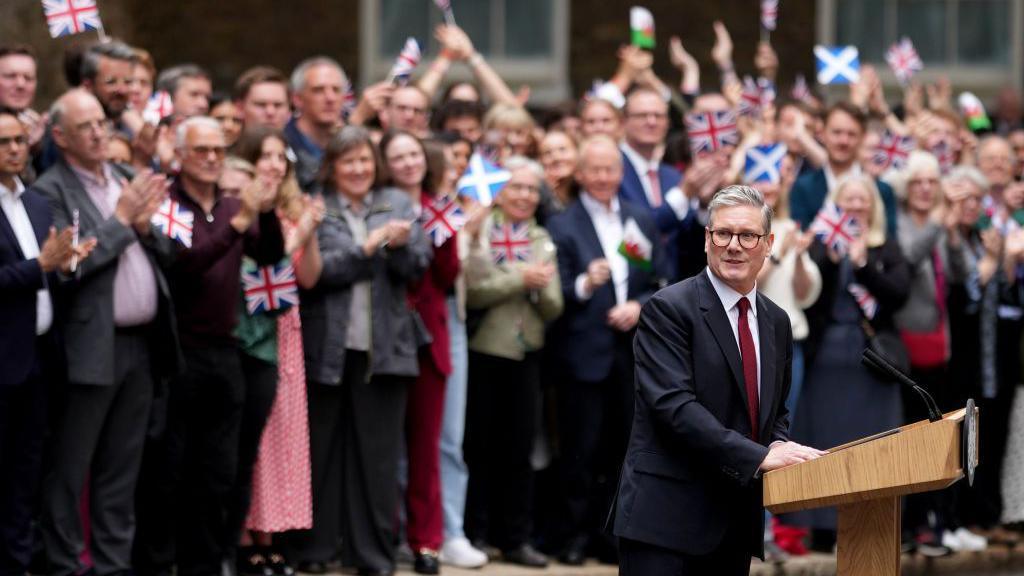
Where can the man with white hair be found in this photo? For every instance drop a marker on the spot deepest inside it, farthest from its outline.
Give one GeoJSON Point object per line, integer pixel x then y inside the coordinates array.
{"type": "Point", "coordinates": [119, 338]}
{"type": "Point", "coordinates": [318, 87]}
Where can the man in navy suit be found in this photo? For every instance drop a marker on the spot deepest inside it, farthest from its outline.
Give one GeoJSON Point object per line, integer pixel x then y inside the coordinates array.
{"type": "Point", "coordinates": [31, 251]}
{"type": "Point", "coordinates": [713, 368]}
{"type": "Point", "coordinates": [610, 261]}
{"type": "Point", "coordinates": [843, 135]}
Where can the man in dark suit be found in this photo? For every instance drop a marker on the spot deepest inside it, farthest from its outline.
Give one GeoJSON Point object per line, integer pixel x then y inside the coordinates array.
{"type": "Point", "coordinates": [843, 135]}
{"type": "Point", "coordinates": [31, 251]}
{"type": "Point", "coordinates": [713, 367]}
{"type": "Point", "coordinates": [119, 337]}
{"type": "Point", "coordinates": [603, 290]}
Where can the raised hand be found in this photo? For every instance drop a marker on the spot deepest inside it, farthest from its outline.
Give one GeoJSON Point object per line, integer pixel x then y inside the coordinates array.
{"type": "Point", "coordinates": [721, 52]}
{"type": "Point", "coordinates": [455, 43]}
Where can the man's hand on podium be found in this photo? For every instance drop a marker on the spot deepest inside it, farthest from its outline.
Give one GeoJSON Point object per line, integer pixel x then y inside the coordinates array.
{"type": "Point", "coordinates": [782, 454]}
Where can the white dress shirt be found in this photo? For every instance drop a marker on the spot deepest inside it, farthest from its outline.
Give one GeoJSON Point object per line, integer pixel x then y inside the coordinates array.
{"type": "Point", "coordinates": [831, 178]}
{"type": "Point", "coordinates": [674, 196]}
{"type": "Point", "coordinates": [17, 217]}
{"type": "Point", "coordinates": [730, 301]}
{"type": "Point", "coordinates": [608, 225]}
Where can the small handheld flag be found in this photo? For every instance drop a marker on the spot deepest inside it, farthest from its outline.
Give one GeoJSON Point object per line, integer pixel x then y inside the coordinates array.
{"type": "Point", "coordinates": [769, 14]}
{"type": "Point", "coordinates": [837, 64]}
{"type": "Point", "coordinates": [756, 96]}
{"type": "Point", "coordinates": [945, 154]}
{"type": "Point", "coordinates": [635, 247]}
{"type": "Point", "coordinates": [175, 221]}
{"type": "Point", "coordinates": [711, 131]}
{"type": "Point", "coordinates": [74, 239]}
{"type": "Point", "coordinates": [835, 228]}
{"type": "Point", "coordinates": [903, 59]}
{"type": "Point", "coordinates": [764, 163]}
{"type": "Point", "coordinates": [974, 111]}
{"type": "Point", "coordinates": [67, 17]}
{"type": "Point", "coordinates": [892, 151]}
{"type": "Point", "coordinates": [864, 298]}
{"type": "Point", "coordinates": [483, 180]}
{"type": "Point", "coordinates": [510, 243]}
{"type": "Point", "coordinates": [641, 27]}
{"type": "Point", "coordinates": [269, 288]}
{"type": "Point", "coordinates": [801, 92]}
{"type": "Point", "coordinates": [158, 107]}
{"type": "Point", "coordinates": [406, 62]}
{"type": "Point", "coordinates": [441, 219]}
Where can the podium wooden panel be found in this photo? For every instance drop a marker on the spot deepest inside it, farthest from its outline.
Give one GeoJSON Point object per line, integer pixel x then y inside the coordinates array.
{"type": "Point", "coordinates": [864, 479]}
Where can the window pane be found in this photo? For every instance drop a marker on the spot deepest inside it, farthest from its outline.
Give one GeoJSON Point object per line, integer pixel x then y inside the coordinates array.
{"type": "Point", "coordinates": [473, 16]}
{"type": "Point", "coordinates": [862, 23]}
{"type": "Point", "coordinates": [983, 31]}
{"type": "Point", "coordinates": [924, 21]}
{"type": "Point", "coordinates": [400, 19]}
{"type": "Point", "coordinates": [528, 28]}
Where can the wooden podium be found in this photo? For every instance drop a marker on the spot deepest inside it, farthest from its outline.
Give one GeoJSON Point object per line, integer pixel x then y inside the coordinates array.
{"type": "Point", "coordinates": [865, 479]}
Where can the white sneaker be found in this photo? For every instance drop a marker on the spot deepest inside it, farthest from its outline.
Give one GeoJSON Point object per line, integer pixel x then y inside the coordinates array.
{"type": "Point", "coordinates": [460, 553]}
{"type": "Point", "coordinates": [971, 541]}
{"type": "Point", "coordinates": [952, 541]}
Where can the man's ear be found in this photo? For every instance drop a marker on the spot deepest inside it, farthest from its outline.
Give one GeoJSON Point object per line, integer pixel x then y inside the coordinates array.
{"type": "Point", "coordinates": [59, 136]}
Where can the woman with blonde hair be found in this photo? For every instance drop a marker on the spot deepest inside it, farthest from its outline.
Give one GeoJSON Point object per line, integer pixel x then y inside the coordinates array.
{"type": "Point", "coordinates": [516, 127]}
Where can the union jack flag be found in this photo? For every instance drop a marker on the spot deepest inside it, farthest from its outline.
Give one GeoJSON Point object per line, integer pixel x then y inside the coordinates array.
{"type": "Point", "coordinates": [269, 288]}
{"type": "Point", "coordinates": [769, 14]}
{"type": "Point", "coordinates": [66, 17]}
{"type": "Point", "coordinates": [175, 221]}
{"type": "Point", "coordinates": [756, 95]}
{"type": "Point", "coordinates": [945, 154]}
{"type": "Point", "coordinates": [510, 243]}
{"type": "Point", "coordinates": [158, 107]}
{"type": "Point", "coordinates": [892, 150]}
{"type": "Point", "coordinates": [442, 218]}
{"type": "Point", "coordinates": [406, 62]}
{"type": "Point", "coordinates": [835, 228]}
{"type": "Point", "coordinates": [867, 302]}
{"type": "Point", "coordinates": [348, 99]}
{"type": "Point", "coordinates": [801, 92]}
{"type": "Point", "coordinates": [711, 131]}
{"type": "Point", "coordinates": [903, 59]}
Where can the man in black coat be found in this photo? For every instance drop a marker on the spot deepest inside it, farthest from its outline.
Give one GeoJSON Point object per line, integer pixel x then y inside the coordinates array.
{"type": "Point", "coordinates": [713, 368]}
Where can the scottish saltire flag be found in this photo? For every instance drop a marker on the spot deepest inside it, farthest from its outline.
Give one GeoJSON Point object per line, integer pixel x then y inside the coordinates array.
{"type": "Point", "coordinates": [406, 62]}
{"type": "Point", "coordinates": [67, 17]}
{"type": "Point", "coordinates": [837, 64]}
{"type": "Point", "coordinates": [269, 288]}
{"type": "Point", "coordinates": [903, 59]}
{"type": "Point", "coordinates": [483, 180]}
{"type": "Point", "coordinates": [641, 27]}
{"type": "Point", "coordinates": [755, 95]}
{"type": "Point", "coordinates": [764, 163]}
{"type": "Point", "coordinates": [510, 243]}
{"type": "Point", "coordinates": [441, 219]}
{"type": "Point", "coordinates": [865, 300]}
{"type": "Point", "coordinates": [892, 151]}
{"type": "Point", "coordinates": [835, 228]}
{"type": "Point", "coordinates": [769, 14]}
{"type": "Point", "coordinates": [801, 92]}
{"type": "Point", "coordinates": [175, 221]}
{"type": "Point", "coordinates": [158, 107]}
{"type": "Point", "coordinates": [711, 131]}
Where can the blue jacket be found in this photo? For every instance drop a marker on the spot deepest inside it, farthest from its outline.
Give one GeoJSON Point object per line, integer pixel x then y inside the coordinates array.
{"type": "Point", "coordinates": [809, 192]}
{"type": "Point", "coordinates": [632, 190]}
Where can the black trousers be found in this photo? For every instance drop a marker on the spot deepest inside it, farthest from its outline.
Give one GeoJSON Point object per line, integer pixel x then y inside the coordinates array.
{"type": "Point", "coordinates": [23, 423]}
{"type": "Point", "coordinates": [640, 559]}
{"type": "Point", "coordinates": [260, 391]}
{"type": "Point", "coordinates": [100, 438]}
{"type": "Point", "coordinates": [195, 470]}
{"type": "Point", "coordinates": [918, 507]}
{"type": "Point", "coordinates": [355, 440]}
{"type": "Point", "coordinates": [500, 430]}
{"type": "Point", "coordinates": [594, 423]}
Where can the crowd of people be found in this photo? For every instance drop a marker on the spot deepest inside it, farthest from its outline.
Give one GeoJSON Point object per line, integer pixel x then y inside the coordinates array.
{"type": "Point", "coordinates": [444, 378]}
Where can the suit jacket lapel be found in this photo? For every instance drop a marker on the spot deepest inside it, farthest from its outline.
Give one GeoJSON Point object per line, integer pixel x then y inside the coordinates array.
{"type": "Point", "coordinates": [716, 319]}
{"type": "Point", "coordinates": [766, 339]}
{"type": "Point", "coordinates": [589, 231]}
{"type": "Point", "coordinates": [9, 231]}
{"type": "Point", "coordinates": [75, 196]}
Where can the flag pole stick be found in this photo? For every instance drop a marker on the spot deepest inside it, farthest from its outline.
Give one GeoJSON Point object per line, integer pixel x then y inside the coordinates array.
{"type": "Point", "coordinates": [449, 17]}
{"type": "Point", "coordinates": [765, 35]}
{"type": "Point", "coordinates": [102, 34]}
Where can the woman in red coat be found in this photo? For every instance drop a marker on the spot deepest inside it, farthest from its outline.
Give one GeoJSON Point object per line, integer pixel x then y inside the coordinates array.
{"type": "Point", "coordinates": [418, 169]}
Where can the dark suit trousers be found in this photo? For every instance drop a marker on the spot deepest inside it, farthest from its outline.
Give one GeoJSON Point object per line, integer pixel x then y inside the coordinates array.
{"type": "Point", "coordinates": [501, 425]}
{"type": "Point", "coordinates": [594, 423]}
{"type": "Point", "coordinates": [355, 441]}
{"type": "Point", "coordinates": [100, 438]}
{"type": "Point", "coordinates": [640, 559]}
{"type": "Point", "coordinates": [23, 411]}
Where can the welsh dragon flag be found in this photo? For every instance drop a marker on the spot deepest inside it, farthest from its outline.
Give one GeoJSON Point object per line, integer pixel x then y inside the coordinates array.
{"type": "Point", "coordinates": [635, 247]}
{"type": "Point", "coordinates": [641, 27]}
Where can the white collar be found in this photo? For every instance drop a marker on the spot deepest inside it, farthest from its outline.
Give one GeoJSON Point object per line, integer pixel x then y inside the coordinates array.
{"type": "Point", "coordinates": [831, 178]}
{"type": "Point", "coordinates": [641, 164]}
{"type": "Point", "coordinates": [19, 189]}
{"type": "Point", "coordinates": [595, 208]}
{"type": "Point", "coordinates": [729, 296]}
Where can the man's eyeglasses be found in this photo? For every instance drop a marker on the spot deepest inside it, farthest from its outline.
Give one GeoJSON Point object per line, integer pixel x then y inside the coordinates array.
{"type": "Point", "coordinates": [6, 141]}
{"type": "Point", "coordinates": [722, 238]}
{"type": "Point", "coordinates": [205, 151]}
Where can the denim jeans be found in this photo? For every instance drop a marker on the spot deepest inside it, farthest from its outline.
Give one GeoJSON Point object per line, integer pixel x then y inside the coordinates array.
{"type": "Point", "coordinates": [454, 475]}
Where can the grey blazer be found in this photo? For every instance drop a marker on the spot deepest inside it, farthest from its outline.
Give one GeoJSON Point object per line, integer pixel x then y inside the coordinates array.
{"type": "Point", "coordinates": [325, 308]}
{"type": "Point", "coordinates": [89, 295]}
{"type": "Point", "coordinates": [919, 313]}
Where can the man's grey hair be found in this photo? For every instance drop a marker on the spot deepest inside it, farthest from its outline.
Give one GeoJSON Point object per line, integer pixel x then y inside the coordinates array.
{"type": "Point", "coordinates": [115, 50]}
{"type": "Point", "coordinates": [969, 174]}
{"type": "Point", "coordinates": [298, 78]}
{"type": "Point", "coordinates": [171, 78]}
{"type": "Point", "coordinates": [196, 121]}
{"type": "Point", "coordinates": [738, 195]}
{"type": "Point", "coordinates": [516, 162]}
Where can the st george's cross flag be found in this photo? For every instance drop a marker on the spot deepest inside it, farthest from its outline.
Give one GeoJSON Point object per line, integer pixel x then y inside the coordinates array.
{"type": "Point", "coordinates": [903, 59]}
{"type": "Point", "coordinates": [892, 151]}
{"type": "Point", "coordinates": [837, 64]}
{"type": "Point", "coordinates": [641, 27]}
{"type": "Point", "coordinates": [711, 131]}
{"type": "Point", "coordinates": [406, 62]}
{"type": "Point", "coordinates": [269, 288]}
{"type": "Point", "coordinates": [158, 107]}
{"type": "Point", "coordinates": [510, 243]}
{"type": "Point", "coordinates": [442, 218]}
{"type": "Point", "coordinates": [483, 180]}
{"type": "Point", "coordinates": [835, 228]}
{"type": "Point", "coordinates": [67, 17]}
{"type": "Point", "coordinates": [769, 14]}
{"type": "Point", "coordinates": [175, 221]}
{"type": "Point", "coordinates": [764, 163]}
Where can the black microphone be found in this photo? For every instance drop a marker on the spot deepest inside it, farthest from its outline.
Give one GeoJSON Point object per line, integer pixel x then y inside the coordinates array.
{"type": "Point", "coordinates": [883, 368]}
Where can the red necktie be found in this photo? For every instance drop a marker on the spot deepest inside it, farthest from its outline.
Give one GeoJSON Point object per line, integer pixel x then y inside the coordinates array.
{"type": "Point", "coordinates": [652, 176]}
{"type": "Point", "coordinates": [749, 354]}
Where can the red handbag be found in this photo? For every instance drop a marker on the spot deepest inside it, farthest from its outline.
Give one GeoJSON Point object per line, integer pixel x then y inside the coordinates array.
{"type": "Point", "coordinates": [928, 349]}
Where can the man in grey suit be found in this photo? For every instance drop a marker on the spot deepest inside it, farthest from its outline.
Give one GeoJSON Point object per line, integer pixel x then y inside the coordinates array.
{"type": "Point", "coordinates": [119, 336]}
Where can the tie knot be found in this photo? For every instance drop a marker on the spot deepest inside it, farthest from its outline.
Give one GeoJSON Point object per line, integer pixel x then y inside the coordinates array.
{"type": "Point", "coordinates": [744, 305]}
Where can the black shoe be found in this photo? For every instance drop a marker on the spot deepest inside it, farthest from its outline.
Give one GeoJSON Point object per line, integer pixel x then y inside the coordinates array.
{"type": "Point", "coordinates": [425, 562]}
{"type": "Point", "coordinates": [493, 554]}
{"type": "Point", "coordinates": [313, 567]}
{"type": "Point", "coordinates": [575, 553]}
{"type": "Point", "coordinates": [279, 564]}
{"type": "Point", "coordinates": [252, 562]}
{"type": "Point", "coordinates": [525, 555]}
